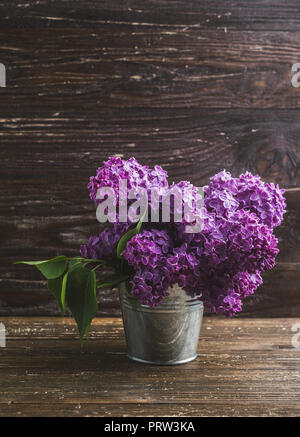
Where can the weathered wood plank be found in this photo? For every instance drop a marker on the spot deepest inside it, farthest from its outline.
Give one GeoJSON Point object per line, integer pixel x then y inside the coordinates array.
{"type": "Point", "coordinates": [205, 408]}
{"type": "Point", "coordinates": [89, 80]}
{"type": "Point", "coordinates": [245, 367]}
{"type": "Point", "coordinates": [136, 14]}
{"type": "Point", "coordinates": [113, 67]}
{"type": "Point", "coordinates": [192, 143]}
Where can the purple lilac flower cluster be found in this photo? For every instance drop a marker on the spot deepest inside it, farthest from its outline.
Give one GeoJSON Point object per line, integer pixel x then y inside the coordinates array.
{"type": "Point", "coordinates": [103, 246]}
{"type": "Point", "coordinates": [130, 172]}
{"type": "Point", "coordinates": [146, 253]}
{"type": "Point", "coordinates": [226, 194]}
{"type": "Point", "coordinates": [222, 263]}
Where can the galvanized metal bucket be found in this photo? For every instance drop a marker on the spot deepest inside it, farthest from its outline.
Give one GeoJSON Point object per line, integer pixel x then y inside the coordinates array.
{"type": "Point", "coordinates": [165, 335]}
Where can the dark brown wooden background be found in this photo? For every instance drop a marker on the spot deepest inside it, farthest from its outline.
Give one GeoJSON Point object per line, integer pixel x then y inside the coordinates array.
{"type": "Point", "coordinates": [196, 86]}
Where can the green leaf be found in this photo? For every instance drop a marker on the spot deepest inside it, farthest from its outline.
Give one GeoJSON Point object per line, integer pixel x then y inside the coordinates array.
{"type": "Point", "coordinates": [112, 281]}
{"type": "Point", "coordinates": [63, 292]}
{"type": "Point", "coordinates": [140, 222]}
{"type": "Point", "coordinates": [73, 264]}
{"type": "Point", "coordinates": [55, 286]}
{"type": "Point", "coordinates": [81, 297]}
{"type": "Point", "coordinates": [124, 240]}
{"type": "Point", "coordinates": [128, 235]}
{"type": "Point", "coordinates": [58, 288]}
{"type": "Point", "coordinates": [51, 268]}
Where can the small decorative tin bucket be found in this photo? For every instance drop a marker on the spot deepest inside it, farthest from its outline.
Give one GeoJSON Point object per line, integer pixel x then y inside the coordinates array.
{"type": "Point", "coordinates": [166, 334]}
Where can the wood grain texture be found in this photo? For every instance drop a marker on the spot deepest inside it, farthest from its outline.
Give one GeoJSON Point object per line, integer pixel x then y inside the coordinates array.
{"type": "Point", "coordinates": [244, 368]}
{"type": "Point", "coordinates": [154, 14]}
{"type": "Point", "coordinates": [49, 150]}
{"type": "Point", "coordinates": [194, 86]}
{"type": "Point", "coordinates": [116, 67]}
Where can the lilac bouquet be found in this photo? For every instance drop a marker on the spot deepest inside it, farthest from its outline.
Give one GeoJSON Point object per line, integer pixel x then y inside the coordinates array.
{"type": "Point", "coordinates": [221, 264]}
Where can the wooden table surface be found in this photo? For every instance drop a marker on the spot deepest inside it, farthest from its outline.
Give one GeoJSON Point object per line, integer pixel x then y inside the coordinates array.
{"type": "Point", "coordinates": [245, 367]}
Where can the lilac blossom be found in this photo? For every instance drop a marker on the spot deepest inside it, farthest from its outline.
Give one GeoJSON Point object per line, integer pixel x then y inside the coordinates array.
{"type": "Point", "coordinates": [226, 194]}
{"type": "Point", "coordinates": [222, 263]}
{"type": "Point", "coordinates": [103, 246]}
{"type": "Point", "coordinates": [147, 248]}
{"type": "Point", "coordinates": [135, 175]}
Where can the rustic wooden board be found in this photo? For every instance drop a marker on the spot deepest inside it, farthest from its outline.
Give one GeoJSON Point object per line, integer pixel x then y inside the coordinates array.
{"type": "Point", "coordinates": [154, 14]}
{"type": "Point", "coordinates": [43, 151]}
{"type": "Point", "coordinates": [194, 86]}
{"type": "Point", "coordinates": [113, 66]}
{"type": "Point", "coordinates": [244, 368]}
